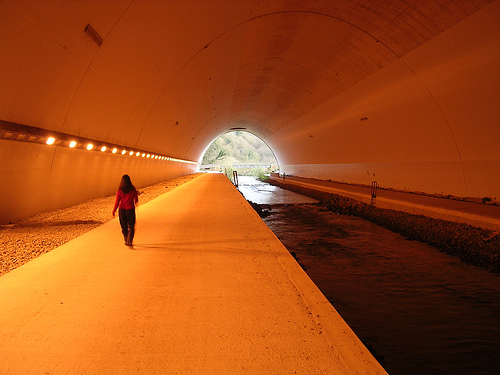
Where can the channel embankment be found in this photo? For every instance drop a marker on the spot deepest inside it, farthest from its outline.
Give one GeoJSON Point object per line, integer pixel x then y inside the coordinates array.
{"type": "Point", "coordinates": [467, 230]}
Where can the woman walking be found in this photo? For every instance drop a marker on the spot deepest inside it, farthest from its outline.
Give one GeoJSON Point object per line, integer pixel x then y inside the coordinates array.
{"type": "Point", "coordinates": [126, 199]}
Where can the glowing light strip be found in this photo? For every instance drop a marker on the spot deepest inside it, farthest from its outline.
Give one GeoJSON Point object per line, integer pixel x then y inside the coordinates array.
{"type": "Point", "coordinates": [23, 133]}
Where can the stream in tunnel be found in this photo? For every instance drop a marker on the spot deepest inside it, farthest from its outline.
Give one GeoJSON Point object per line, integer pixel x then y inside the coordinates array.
{"type": "Point", "coordinates": [418, 310]}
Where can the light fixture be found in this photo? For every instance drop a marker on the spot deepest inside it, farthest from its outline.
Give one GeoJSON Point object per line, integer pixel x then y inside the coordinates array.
{"type": "Point", "coordinates": [59, 139]}
{"type": "Point", "coordinates": [39, 135]}
{"type": "Point", "coordinates": [89, 30]}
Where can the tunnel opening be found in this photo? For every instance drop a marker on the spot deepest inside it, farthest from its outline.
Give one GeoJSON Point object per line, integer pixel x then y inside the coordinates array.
{"type": "Point", "coordinates": [240, 151]}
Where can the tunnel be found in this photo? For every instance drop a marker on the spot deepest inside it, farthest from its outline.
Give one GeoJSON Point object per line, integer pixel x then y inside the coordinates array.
{"type": "Point", "coordinates": [348, 94]}
{"type": "Point", "coordinates": [403, 93]}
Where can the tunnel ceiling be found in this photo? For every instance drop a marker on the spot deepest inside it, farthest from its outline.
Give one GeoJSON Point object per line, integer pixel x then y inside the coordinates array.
{"type": "Point", "coordinates": [171, 76]}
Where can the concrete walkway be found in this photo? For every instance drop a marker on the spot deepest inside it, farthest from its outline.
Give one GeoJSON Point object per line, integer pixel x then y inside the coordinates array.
{"type": "Point", "coordinates": [206, 289]}
{"type": "Point", "coordinates": [485, 216]}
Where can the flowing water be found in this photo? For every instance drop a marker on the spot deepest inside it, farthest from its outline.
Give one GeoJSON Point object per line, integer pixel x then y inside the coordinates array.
{"type": "Point", "coordinates": [418, 310]}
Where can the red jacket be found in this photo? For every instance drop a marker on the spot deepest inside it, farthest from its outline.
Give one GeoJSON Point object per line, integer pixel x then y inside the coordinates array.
{"type": "Point", "coordinates": [126, 201]}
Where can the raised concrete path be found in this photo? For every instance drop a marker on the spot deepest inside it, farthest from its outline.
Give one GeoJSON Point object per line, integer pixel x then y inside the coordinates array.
{"type": "Point", "coordinates": [480, 215]}
{"type": "Point", "coordinates": [206, 289]}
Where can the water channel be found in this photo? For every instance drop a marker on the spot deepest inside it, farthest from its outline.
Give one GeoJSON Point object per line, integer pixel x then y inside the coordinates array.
{"type": "Point", "coordinates": [418, 310]}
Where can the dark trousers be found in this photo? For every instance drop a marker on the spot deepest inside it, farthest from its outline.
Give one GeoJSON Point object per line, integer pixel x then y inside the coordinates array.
{"type": "Point", "coordinates": [127, 222]}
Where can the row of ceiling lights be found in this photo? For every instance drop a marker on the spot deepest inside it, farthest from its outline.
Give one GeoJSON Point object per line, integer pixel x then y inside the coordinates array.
{"type": "Point", "coordinates": [19, 133]}
{"type": "Point", "coordinates": [114, 150]}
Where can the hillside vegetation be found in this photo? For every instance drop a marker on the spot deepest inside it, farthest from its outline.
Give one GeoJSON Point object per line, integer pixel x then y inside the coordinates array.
{"type": "Point", "coordinates": [236, 148]}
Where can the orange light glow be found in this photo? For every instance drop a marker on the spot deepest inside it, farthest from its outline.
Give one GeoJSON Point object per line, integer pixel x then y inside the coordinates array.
{"type": "Point", "coordinates": [124, 152]}
{"type": "Point", "coordinates": [50, 140]}
{"type": "Point", "coordinates": [72, 144]}
{"type": "Point", "coordinates": [90, 146]}
{"type": "Point", "coordinates": [103, 148]}
{"type": "Point", "coordinates": [115, 150]}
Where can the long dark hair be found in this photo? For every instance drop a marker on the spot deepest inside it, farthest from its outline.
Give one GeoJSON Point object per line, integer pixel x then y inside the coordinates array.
{"type": "Point", "coordinates": [126, 185]}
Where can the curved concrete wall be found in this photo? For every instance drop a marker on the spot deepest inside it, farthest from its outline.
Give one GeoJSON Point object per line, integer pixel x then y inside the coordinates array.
{"type": "Point", "coordinates": [427, 122]}
{"type": "Point", "coordinates": [402, 93]}
{"type": "Point", "coordinates": [38, 178]}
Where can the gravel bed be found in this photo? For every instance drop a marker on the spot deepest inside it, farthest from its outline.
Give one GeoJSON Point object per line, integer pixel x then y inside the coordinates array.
{"type": "Point", "coordinates": [42, 233]}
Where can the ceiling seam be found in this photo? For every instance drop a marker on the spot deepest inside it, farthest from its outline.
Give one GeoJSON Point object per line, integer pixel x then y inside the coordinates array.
{"type": "Point", "coordinates": [444, 118]}
{"type": "Point", "coordinates": [238, 25]}
{"type": "Point", "coordinates": [88, 68]}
